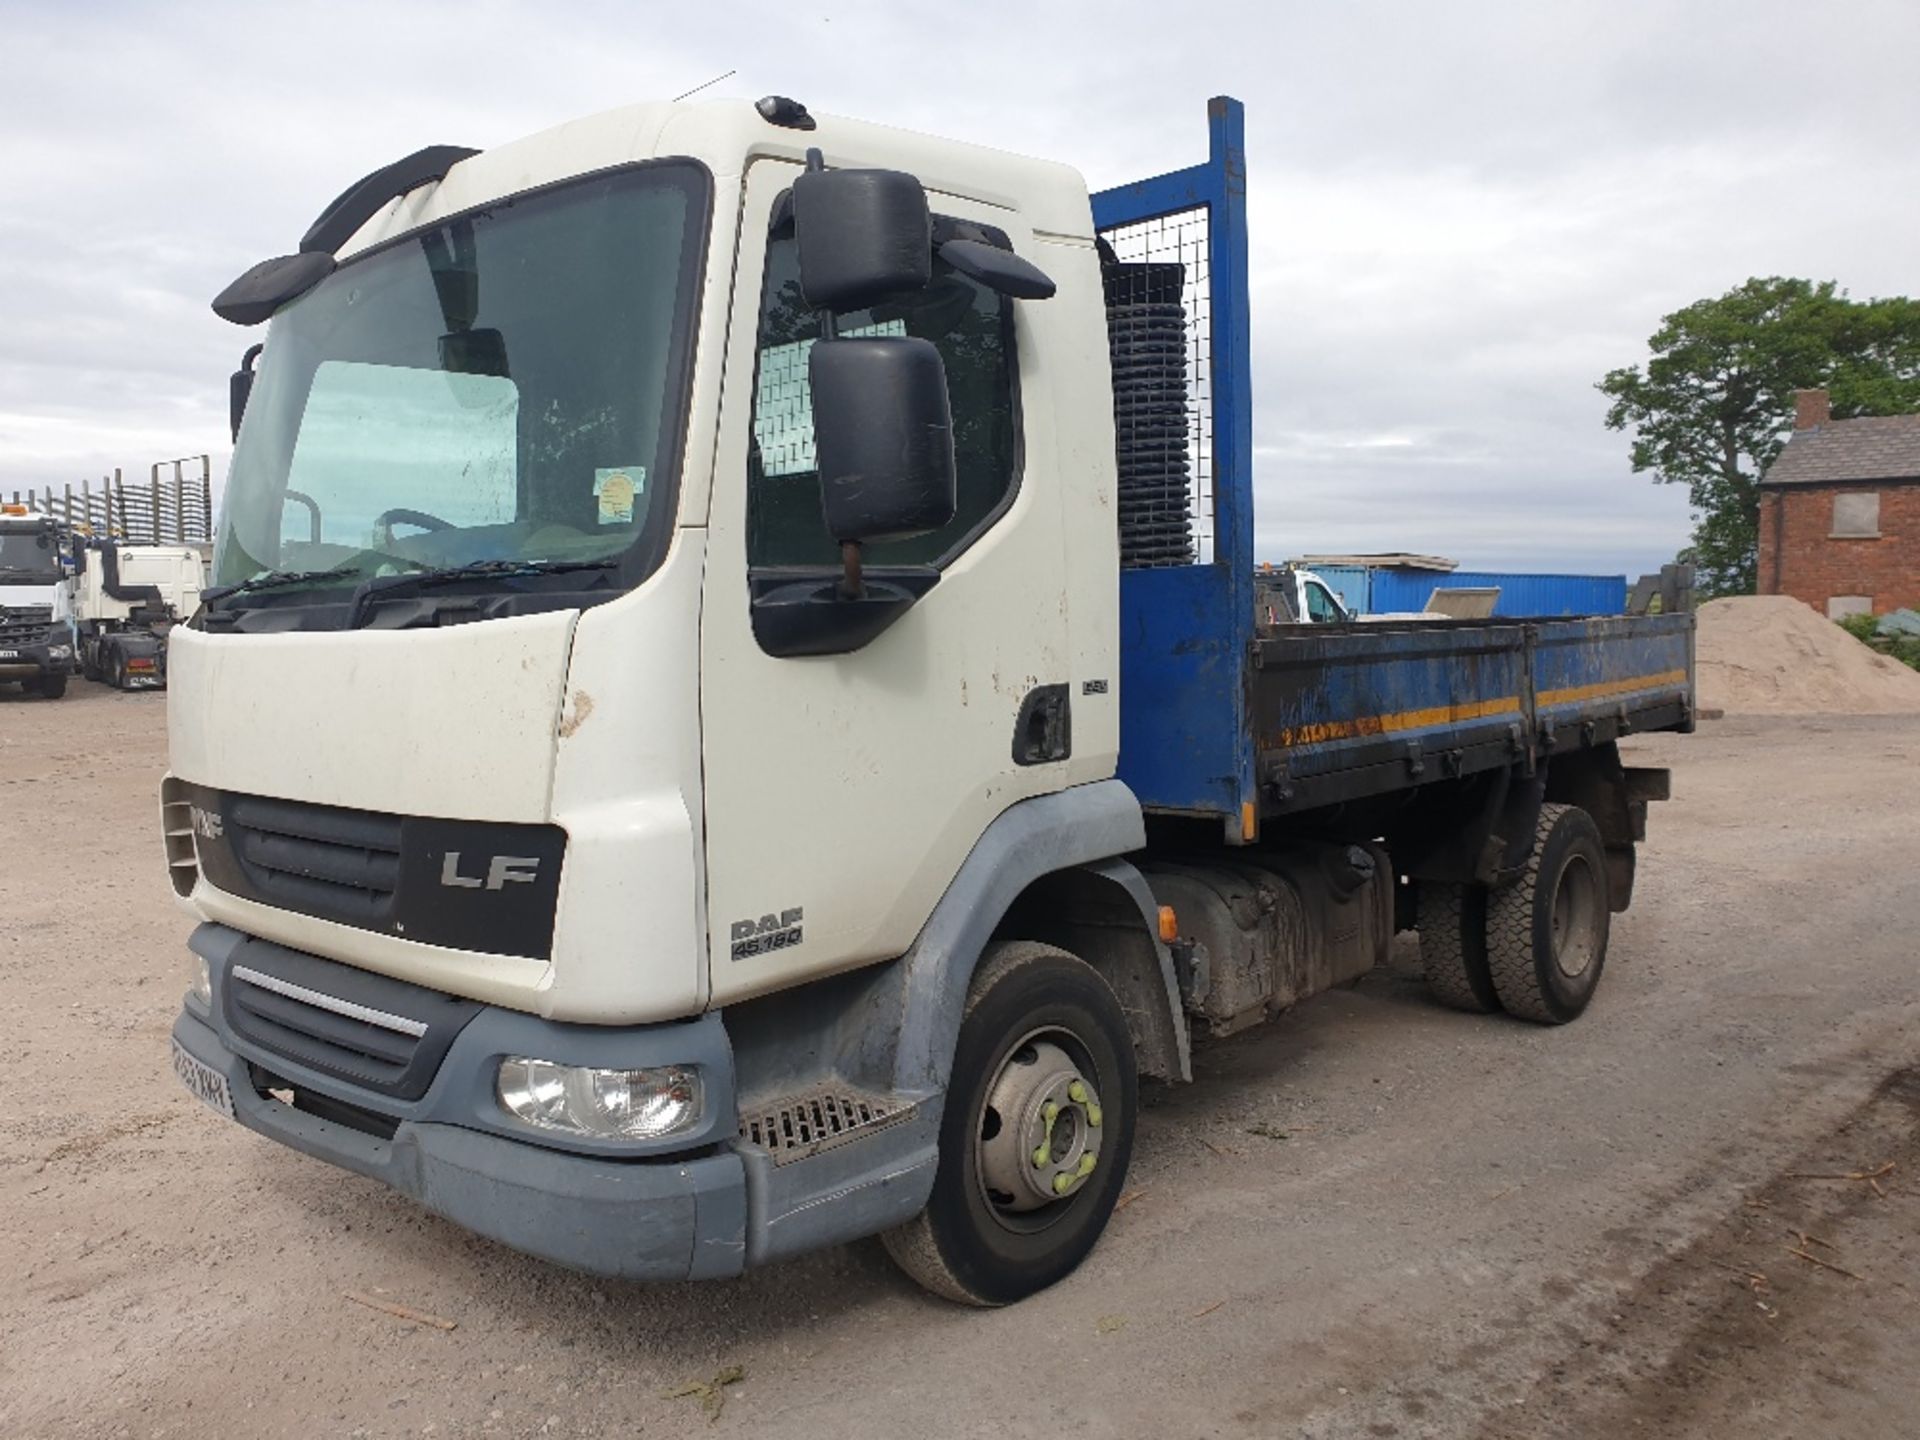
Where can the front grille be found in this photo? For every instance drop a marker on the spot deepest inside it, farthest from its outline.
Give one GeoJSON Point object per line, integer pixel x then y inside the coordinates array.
{"type": "Point", "coordinates": [337, 864]}
{"type": "Point", "coordinates": [17, 630]}
{"type": "Point", "coordinates": [793, 1128]}
{"type": "Point", "coordinates": [460, 884]}
{"type": "Point", "coordinates": [371, 1030]}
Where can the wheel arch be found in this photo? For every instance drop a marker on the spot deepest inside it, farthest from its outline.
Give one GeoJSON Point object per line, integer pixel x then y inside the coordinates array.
{"type": "Point", "coordinates": [1104, 913]}
{"type": "Point", "coordinates": [1053, 851]}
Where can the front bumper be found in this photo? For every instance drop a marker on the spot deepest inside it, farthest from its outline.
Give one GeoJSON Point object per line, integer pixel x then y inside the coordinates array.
{"type": "Point", "coordinates": [30, 662]}
{"type": "Point", "coordinates": [657, 1216]}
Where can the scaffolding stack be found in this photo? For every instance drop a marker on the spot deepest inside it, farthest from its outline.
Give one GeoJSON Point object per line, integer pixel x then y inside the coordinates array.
{"type": "Point", "coordinates": [173, 506]}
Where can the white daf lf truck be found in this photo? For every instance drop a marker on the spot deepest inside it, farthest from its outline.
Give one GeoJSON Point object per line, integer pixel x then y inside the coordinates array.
{"type": "Point", "coordinates": [713, 733]}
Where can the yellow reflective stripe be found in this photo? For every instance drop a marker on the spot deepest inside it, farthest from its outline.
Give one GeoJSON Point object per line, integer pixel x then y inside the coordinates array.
{"type": "Point", "coordinates": [1323, 730]}
{"type": "Point", "coordinates": [1611, 687]}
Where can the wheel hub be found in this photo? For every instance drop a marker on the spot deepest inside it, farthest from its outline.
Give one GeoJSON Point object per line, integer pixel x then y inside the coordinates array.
{"type": "Point", "coordinates": [1575, 902]}
{"type": "Point", "coordinates": [1041, 1131]}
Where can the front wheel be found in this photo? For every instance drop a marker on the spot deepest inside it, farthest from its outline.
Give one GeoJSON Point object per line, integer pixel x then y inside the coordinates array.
{"type": "Point", "coordinates": [1037, 1132]}
{"type": "Point", "coordinates": [52, 687]}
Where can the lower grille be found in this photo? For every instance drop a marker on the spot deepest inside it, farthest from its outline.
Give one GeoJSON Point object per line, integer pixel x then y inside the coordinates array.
{"type": "Point", "coordinates": [370, 1030]}
{"type": "Point", "coordinates": [325, 1107]}
{"type": "Point", "coordinates": [325, 1032]}
{"type": "Point", "coordinates": [807, 1124]}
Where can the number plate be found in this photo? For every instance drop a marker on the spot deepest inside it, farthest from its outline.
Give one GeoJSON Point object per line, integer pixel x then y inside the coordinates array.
{"type": "Point", "coordinates": [9, 654]}
{"type": "Point", "coordinates": [206, 1083]}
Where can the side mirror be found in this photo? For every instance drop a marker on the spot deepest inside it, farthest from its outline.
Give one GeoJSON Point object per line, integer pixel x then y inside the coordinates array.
{"type": "Point", "coordinates": [240, 387]}
{"type": "Point", "coordinates": [883, 435]}
{"type": "Point", "coordinates": [862, 235]}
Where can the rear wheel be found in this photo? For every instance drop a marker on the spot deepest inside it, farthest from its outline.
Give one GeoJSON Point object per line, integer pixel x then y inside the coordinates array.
{"type": "Point", "coordinates": [1453, 945]}
{"type": "Point", "coordinates": [1037, 1132]}
{"type": "Point", "coordinates": [1547, 932]}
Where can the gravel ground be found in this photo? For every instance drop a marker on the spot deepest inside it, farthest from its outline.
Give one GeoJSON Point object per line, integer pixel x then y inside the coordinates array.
{"type": "Point", "coordinates": [1371, 1218]}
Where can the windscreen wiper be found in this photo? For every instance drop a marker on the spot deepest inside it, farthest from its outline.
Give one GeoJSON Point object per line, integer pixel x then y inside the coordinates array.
{"type": "Point", "coordinates": [274, 579]}
{"type": "Point", "coordinates": [385, 585]}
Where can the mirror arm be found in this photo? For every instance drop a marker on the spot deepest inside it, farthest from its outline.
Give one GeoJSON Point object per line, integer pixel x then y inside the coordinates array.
{"type": "Point", "coordinates": [853, 585]}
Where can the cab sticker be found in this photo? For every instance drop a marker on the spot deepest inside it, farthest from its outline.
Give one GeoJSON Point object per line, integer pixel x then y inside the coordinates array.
{"type": "Point", "coordinates": [615, 491]}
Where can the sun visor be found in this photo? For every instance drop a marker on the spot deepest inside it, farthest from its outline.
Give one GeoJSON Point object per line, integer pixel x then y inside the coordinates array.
{"type": "Point", "coordinates": [269, 285]}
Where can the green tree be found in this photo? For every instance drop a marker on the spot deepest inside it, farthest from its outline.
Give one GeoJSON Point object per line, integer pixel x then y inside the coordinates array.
{"type": "Point", "coordinates": [1714, 404]}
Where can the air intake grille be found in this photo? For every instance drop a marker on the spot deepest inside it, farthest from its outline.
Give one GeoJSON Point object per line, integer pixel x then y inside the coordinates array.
{"type": "Point", "coordinates": [337, 864]}
{"type": "Point", "coordinates": [804, 1125]}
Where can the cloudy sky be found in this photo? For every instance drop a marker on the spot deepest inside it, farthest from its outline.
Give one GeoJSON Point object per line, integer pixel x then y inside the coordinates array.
{"type": "Point", "coordinates": [1463, 213]}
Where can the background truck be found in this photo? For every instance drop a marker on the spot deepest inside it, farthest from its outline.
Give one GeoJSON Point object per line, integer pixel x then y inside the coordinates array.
{"type": "Point", "coordinates": [134, 561]}
{"type": "Point", "coordinates": [734, 714]}
{"type": "Point", "coordinates": [36, 623]}
{"type": "Point", "coordinates": [1291, 595]}
{"type": "Point", "coordinates": [125, 601]}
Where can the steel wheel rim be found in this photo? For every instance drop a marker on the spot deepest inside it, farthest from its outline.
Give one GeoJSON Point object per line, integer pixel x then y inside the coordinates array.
{"type": "Point", "coordinates": [1575, 916]}
{"type": "Point", "coordinates": [1031, 1166]}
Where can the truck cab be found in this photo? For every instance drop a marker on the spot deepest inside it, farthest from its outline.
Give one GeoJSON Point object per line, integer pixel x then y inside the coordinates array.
{"type": "Point", "coordinates": [1289, 595]}
{"type": "Point", "coordinates": [36, 621]}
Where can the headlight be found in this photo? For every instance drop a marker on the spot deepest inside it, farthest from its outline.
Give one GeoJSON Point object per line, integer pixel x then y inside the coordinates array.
{"type": "Point", "coordinates": [600, 1104]}
{"type": "Point", "coordinates": [59, 652]}
{"type": "Point", "coordinates": [199, 980]}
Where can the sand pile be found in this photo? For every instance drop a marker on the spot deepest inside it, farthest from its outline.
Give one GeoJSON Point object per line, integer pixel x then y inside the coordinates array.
{"type": "Point", "coordinates": [1774, 655]}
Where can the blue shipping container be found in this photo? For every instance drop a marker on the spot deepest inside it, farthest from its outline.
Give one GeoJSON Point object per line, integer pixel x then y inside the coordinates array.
{"type": "Point", "coordinates": [1520, 595]}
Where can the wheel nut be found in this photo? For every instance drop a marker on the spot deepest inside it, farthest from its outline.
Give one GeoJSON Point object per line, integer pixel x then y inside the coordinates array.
{"type": "Point", "coordinates": [1077, 1093]}
{"type": "Point", "coordinates": [1086, 1165]}
{"type": "Point", "coordinates": [1040, 1157]}
{"type": "Point", "coordinates": [1062, 1184]}
{"type": "Point", "coordinates": [1093, 1116]}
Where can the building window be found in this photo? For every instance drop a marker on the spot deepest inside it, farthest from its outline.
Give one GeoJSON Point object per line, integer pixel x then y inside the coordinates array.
{"type": "Point", "coordinates": [1841, 606]}
{"type": "Point", "coordinates": [1857, 516]}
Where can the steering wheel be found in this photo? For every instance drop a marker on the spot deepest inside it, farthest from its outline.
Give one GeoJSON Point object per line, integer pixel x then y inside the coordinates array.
{"type": "Point", "coordinates": [384, 522]}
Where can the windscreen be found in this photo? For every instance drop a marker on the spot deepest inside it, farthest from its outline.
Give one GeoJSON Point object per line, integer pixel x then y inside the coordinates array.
{"type": "Point", "coordinates": [508, 386]}
{"type": "Point", "coordinates": [28, 558]}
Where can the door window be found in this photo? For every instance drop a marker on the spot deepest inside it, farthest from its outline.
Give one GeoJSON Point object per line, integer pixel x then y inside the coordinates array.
{"type": "Point", "coordinates": [1322, 609]}
{"type": "Point", "coordinates": [973, 330]}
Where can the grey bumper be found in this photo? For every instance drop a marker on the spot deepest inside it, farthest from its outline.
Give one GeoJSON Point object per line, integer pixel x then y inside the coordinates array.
{"type": "Point", "coordinates": [665, 1218]}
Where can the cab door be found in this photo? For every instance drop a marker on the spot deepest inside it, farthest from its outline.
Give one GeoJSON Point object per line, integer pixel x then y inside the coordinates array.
{"type": "Point", "coordinates": [843, 791]}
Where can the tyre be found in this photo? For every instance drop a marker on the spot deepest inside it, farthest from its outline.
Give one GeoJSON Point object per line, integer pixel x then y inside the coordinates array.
{"type": "Point", "coordinates": [53, 686]}
{"type": "Point", "coordinates": [1547, 932]}
{"type": "Point", "coordinates": [1452, 921]}
{"type": "Point", "coordinates": [1036, 1135]}
{"type": "Point", "coordinates": [119, 675]}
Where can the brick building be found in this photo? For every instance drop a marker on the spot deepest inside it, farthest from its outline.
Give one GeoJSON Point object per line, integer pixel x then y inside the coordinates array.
{"type": "Point", "coordinates": [1840, 512]}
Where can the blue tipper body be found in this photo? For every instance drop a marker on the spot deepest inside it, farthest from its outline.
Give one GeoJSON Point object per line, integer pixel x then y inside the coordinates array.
{"type": "Point", "coordinates": [1217, 721]}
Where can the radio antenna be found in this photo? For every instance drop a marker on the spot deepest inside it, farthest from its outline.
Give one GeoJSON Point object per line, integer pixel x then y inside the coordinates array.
{"type": "Point", "coordinates": [698, 88]}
